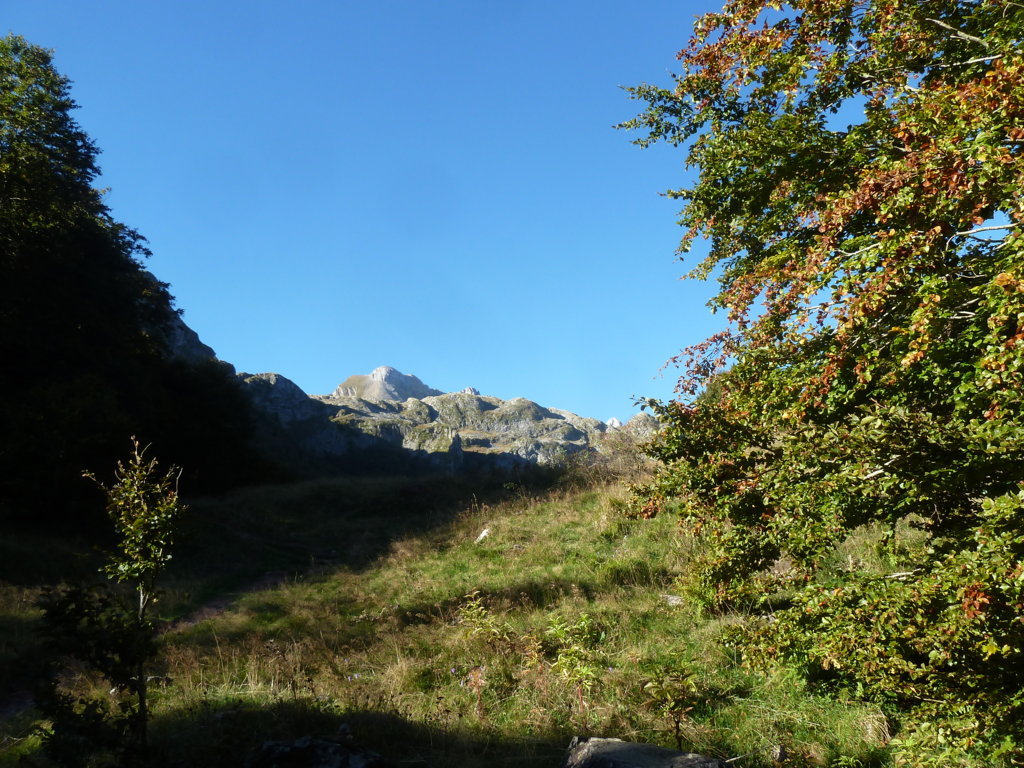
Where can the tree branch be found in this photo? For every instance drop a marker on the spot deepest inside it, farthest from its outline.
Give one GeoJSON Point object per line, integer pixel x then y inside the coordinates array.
{"type": "Point", "coordinates": [865, 249]}
{"type": "Point", "coordinates": [957, 33]}
{"type": "Point", "coordinates": [984, 229]}
{"type": "Point", "coordinates": [979, 60]}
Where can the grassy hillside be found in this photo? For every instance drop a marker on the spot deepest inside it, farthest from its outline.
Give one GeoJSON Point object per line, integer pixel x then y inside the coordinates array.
{"type": "Point", "coordinates": [386, 608]}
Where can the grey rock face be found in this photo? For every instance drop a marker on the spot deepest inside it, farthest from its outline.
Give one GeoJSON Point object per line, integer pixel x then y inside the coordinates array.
{"type": "Point", "coordinates": [294, 429]}
{"type": "Point", "coordinates": [508, 431]}
{"type": "Point", "coordinates": [281, 398]}
{"type": "Point", "coordinates": [643, 425]}
{"type": "Point", "coordinates": [613, 753]}
{"type": "Point", "coordinates": [184, 343]}
{"type": "Point", "coordinates": [376, 415]}
{"type": "Point", "coordinates": [384, 383]}
{"type": "Point", "coordinates": [180, 341]}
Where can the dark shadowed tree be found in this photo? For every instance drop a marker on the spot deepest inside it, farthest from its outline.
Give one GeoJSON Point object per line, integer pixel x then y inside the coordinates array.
{"type": "Point", "coordinates": [85, 362]}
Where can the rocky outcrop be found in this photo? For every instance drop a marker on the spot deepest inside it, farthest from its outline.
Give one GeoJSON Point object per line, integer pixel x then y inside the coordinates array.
{"type": "Point", "coordinates": [488, 429]}
{"type": "Point", "coordinates": [184, 343]}
{"type": "Point", "coordinates": [294, 429]}
{"type": "Point", "coordinates": [384, 383]}
{"type": "Point", "coordinates": [380, 429]}
{"type": "Point", "coordinates": [315, 436]}
{"type": "Point", "coordinates": [613, 753]}
{"type": "Point", "coordinates": [642, 425]}
{"type": "Point", "coordinates": [281, 398]}
{"type": "Point", "coordinates": [179, 341]}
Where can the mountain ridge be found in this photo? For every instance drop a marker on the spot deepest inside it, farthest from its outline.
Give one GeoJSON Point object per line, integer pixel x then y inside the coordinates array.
{"type": "Point", "coordinates": [375, 418]}
{"type": "Point", "coordinates": [388, 421]}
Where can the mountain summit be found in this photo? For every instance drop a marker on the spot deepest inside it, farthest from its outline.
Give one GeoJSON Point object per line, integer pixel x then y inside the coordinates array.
{"type": "Point", "coordinates": [389, 421]}
{"type": "Point", "coordinates": [384, 383]}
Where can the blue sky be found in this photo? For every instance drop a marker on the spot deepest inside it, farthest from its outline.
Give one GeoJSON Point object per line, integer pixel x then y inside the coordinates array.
{"type": "Point", "coordinates": [431, 185]}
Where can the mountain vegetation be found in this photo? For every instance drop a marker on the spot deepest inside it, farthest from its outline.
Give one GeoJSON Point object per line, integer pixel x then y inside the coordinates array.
{"type": "Point", "coordinates": [859, 181]}
{"type": "Point", "coordinates": [84, 330]}
{"type": "Point", "coordinates": [387, 610]}
{"type": "Point", "coordinates": [846, 587]}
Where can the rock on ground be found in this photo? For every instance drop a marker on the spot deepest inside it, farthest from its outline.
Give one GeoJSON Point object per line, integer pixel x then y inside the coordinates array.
{"type": "Point", "coordinates": [613, 753]}
{"type": "Point", "coordinates": [315, 752]}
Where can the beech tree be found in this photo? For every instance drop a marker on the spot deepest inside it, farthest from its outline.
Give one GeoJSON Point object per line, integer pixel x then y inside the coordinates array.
{"type": "Point", "coordinates": [859, 183]}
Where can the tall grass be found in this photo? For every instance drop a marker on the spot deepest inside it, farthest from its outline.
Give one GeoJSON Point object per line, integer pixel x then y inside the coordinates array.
{"type": "Point", "coordinates": [393, 613]}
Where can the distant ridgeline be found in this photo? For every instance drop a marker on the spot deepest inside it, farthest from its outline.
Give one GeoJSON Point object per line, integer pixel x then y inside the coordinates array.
{"type": "Point", "coordinates": [390, 421]}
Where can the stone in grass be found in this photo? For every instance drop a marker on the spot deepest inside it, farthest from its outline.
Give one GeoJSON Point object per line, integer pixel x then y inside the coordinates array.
{"type": "Point", "coordinates": [613, 753]}
{"type": "Point", "coordinates": [315, 752]}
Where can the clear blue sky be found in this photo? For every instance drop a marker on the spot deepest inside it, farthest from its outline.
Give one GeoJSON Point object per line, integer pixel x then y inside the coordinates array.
{"type": "Point", "coordinates": [331, 186]}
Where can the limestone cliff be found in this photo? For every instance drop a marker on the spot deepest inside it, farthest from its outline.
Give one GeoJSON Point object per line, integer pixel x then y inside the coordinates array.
{"type": "Point", "coordinates": [387, 417]}
{"type": "Point", "coordinates": [384, 383]}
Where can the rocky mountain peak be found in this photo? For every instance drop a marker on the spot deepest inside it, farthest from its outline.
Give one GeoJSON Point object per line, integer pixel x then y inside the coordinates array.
{"type": "Point", "coordinates": [384, 383]}
{"type": "Point", "coordinates": [386, 373]}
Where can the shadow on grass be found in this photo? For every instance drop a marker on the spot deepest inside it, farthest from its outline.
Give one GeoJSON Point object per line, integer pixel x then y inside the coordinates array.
{"type": "Point", "coordinates": [230, 732]}
{"type": "Point", "coordinates": [19, 664]}
{"type": "Point", "coordinates": [255, 537]}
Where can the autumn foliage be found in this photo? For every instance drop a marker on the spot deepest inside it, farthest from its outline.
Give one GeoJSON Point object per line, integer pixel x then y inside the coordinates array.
{"type": "Point", "coordinates": [860, 174]}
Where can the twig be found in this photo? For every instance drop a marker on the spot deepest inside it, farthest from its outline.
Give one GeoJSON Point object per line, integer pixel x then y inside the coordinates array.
{"type": "Point", "coordinates": [740, 757]}
{"type": "Point", "coordinates": [882, 468]}
{"type": "Point", "coordinates": [976, 230]}
{"type": "Point", "coordinates": [865, 249]}
{"type": "Point", "coordinates": [901, 574]}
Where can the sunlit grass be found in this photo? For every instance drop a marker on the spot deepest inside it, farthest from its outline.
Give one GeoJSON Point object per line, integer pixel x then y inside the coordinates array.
{"type": "Point", "coordinates": [437, 643]}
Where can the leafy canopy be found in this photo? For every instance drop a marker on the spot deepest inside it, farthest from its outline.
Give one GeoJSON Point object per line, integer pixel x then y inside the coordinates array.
{"type": "Point", "coordinates": [859, 182]}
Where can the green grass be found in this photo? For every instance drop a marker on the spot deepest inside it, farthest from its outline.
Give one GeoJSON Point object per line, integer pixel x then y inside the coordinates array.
{"type": "Point", "coordinates": [390, 614]}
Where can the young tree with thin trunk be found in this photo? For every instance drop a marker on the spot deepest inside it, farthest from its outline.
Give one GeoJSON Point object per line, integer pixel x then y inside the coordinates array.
{"type": "Point", "coordinates": [99, 628]}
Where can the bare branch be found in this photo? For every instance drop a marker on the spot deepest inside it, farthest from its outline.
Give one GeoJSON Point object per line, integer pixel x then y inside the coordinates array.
{"type": "Point", "coordinates": [865, 249]}
{"type": "Point", "coordinates": [985, 229]}
{"type": "Point", "coordinates": [957, 33]}
{"type": "Point", "coordinates": [979, 60]}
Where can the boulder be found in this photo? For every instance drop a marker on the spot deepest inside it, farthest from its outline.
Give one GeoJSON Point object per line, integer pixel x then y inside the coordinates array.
{"type": "Point", "coordinates": [613, 753]}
